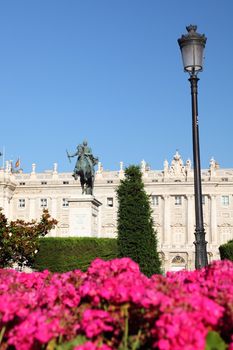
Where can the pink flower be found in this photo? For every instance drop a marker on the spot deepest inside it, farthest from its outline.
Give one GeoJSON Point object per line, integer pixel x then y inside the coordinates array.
{"type": "Point", "coordinates": [95, 322]}
{"type": "Point", "coordinates": [92, 346]}
{"type": "Point", "coordinates": [36, 308]}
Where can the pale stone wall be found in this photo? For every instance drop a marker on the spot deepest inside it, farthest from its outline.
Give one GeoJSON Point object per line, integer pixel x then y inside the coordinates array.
{"type": "Point", "coordinates": [22, 196]}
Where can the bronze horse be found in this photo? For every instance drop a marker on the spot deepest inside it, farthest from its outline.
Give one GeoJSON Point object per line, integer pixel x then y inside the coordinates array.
{"type": "Point", "coordinates": [84, 169]}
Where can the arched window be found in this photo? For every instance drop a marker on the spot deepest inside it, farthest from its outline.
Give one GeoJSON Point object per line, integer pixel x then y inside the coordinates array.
{"type": "Point", "coordinates": [178, 260]}
{"type": "Point", "coordinates": [178, 263]}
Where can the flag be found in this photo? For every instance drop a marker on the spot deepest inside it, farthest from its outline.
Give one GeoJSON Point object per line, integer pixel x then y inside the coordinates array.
{"type": "Point", "coordinates": [17, 164]}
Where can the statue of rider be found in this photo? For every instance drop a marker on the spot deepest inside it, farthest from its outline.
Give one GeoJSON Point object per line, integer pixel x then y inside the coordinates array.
{"type": "Point", "coordinates": [84, 155]}
{"type": "Point", "coordinates": [79, 154]}
{"type": "Point", "coordinates": [87, 152]}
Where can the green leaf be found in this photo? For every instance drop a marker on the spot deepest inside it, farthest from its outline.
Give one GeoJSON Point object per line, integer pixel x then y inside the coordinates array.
{"type": "Point", "coordinates": [71, 344]}
{"type": "Point", "coordinates": [215, 342]}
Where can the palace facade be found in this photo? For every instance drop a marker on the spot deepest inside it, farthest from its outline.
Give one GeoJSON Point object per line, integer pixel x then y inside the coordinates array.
{"type": "Point", "coordinates": [25, 195]}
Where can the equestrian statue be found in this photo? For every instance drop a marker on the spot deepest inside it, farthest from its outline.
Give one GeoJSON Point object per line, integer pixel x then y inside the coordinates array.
{"type": "Point", "coordinates": [84, 167]}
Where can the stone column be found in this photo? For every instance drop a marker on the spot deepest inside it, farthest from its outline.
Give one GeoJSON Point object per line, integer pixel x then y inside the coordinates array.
{"type": "Point", "coordinates": [54, 207]}
{"type": "Point", "coordinates": [11, 209]}
{"type": "Point", "coordinates": [53, 215]}
{"type": "Point", "coordinates": [6, 206]}
{"type": "Point", "coordinates": [32, 208]}
{"type": "Point", "coordinates": [7, 197]}
{"type": "Point", "coordinates": [213, 220]}
{"type": "Point", "coordinates": [99, 222]}
{"type": "Point", "coordinates": [190, 220]}
{"type": "Point", "coordinates": [167, 262]}
{"type": "Point", "coordinates": [166, 237]}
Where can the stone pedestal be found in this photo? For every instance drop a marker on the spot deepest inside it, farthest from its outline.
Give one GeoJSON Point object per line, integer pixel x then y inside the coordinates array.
{"type": "Point", "coordinates": [84, 216]}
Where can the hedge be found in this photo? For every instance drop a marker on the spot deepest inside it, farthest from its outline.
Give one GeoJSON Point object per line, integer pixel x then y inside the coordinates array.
{"type": "Point", "coordinates": [226, 250]}
{"type": "Point", "coordinates": [66, 254]}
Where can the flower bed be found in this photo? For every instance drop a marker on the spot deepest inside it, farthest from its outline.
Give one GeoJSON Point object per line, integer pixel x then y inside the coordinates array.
{"type": "Point", "coordinates": [114, 306]}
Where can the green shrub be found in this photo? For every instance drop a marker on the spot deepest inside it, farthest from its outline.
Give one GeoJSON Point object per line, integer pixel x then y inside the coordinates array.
{"type": "Point", "coordinates": [136, 235]}
{"type": "Point", "coordinates": [226, 250]}
{"type": "Point", "coordinates": [66, 254]}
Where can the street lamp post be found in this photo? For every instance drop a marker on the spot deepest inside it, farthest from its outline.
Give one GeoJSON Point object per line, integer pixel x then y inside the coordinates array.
{"type": "Point", "coordinates": [192, 49]}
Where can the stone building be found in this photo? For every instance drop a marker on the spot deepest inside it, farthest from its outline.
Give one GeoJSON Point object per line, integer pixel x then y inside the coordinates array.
{"type": "Point", "coordinates": [25, 195]}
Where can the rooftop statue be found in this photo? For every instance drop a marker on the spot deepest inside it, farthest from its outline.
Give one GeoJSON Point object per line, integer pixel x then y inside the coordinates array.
{"type": "Point", "coordinates": [84, 167]}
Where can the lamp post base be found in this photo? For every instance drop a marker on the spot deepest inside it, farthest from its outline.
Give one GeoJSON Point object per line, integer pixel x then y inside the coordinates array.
{"type": "Point", "coordinates": [200, 249]}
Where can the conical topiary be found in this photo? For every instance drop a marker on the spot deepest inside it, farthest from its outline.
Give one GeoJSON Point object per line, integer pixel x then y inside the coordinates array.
{"type": "Point", "coordinates": [136, 234]}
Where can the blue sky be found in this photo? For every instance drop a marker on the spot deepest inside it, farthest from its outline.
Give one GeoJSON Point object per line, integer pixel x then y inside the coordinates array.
{"type": "Point", "coordinates": [110, 71]}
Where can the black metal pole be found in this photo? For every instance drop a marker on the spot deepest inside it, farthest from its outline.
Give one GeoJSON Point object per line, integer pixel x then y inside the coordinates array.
{"type": "Point", "coordinates": [200, 243]}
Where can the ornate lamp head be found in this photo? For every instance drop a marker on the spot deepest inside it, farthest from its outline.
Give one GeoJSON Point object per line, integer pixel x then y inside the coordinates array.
{"type": "Point", "coordinates": [192, 49]}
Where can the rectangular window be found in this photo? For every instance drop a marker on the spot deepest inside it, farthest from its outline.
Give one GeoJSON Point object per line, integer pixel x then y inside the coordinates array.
{"type": "Point", "coordinates": [21, 203]}
{"type": "Point", "coordinates": [110, 181]}
{"type": "Point", "coordinates": [155, 200]}
{"type": "Point", "coordinates": [225, 200]}
{"type": "Point", "coordinates": [178, 200]}
{"type": "Point", "coordinates": [65, 182]}
{"type": "Point", "coordinates": [43, 182]}
{"type": "Point", "coordinates": [110, 202]}
{"type": "Point", "coordinates": [43, 202]}
{"type": "Point", "coordinates": [65, 202]}
{"type": "Point", "coordinates": [22, 183]}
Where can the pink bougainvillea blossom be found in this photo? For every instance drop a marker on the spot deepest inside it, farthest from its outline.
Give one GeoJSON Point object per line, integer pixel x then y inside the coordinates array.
{"type": "Point", "coordinates": [113, 305]}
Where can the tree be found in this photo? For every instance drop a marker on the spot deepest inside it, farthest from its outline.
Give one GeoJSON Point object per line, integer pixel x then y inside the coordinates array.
{"type": "Point", "coordinates": [136, 235]}
{"type": "Point", "coordinates": [19, 240]}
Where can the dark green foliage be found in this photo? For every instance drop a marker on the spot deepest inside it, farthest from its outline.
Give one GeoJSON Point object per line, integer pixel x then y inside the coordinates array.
{"type": "Point", "coordinates": [66, 254]}
{"type": "Point", "coordinates": [226, 250]}
{"type": "Point", "coordinates": [136, 235]}
{"type": "Point", "coordinates": [19, 239]}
